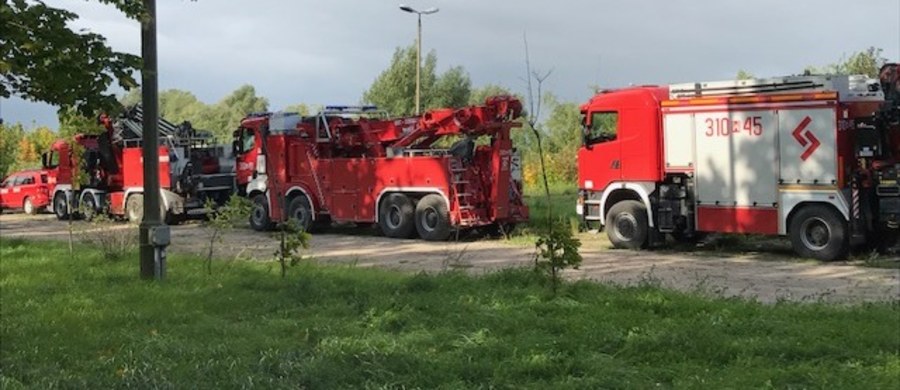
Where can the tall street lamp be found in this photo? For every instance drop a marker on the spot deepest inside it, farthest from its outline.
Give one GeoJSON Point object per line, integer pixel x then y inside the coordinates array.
{"type": "Point", "coordinates": [154, 234]}
{"type": "Point", "coordinates": [429, 11]}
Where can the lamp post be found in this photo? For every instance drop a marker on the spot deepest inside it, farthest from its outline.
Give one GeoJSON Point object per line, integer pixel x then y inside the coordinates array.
{"type": "Point", "coordinates": [154, 235]}
{"type": "Point", "coordinates": [419, 14]}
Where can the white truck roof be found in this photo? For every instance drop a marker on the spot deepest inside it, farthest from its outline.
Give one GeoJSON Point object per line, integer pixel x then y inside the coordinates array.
{"type": "Point", "coordinates": [849, 88]}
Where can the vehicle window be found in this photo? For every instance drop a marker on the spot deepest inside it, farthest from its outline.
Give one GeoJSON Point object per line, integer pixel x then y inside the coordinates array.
{"type": "Point", "coordinates": [6, 183]}
{"type": "Point", "coordinates": [603, 128]}
{"type": "Point", "coordinates": [54, 159]}
{"type": "Point", "coordinates": [18, 181]}
{"type": "Point", "coordinates": [28, 180]}
{"type": "Point", "coordinates": [44, 179]}
{"type": "Point", "coordinates": [246, 140]}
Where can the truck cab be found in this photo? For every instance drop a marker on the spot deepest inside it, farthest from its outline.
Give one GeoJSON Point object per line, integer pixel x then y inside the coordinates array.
{"type": "Point", "coordinates": [247, 146]}
{"type": "Point", "coordinates": [621, 137]}
{"type": "Point", "coordinates": [620, 158]}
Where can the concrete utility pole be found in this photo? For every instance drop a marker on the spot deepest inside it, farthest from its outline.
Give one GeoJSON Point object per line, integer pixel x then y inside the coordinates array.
{"type": "Point", "coordinates": [154, 235]}
{"type": "Point", "coordinates": [429, 11]}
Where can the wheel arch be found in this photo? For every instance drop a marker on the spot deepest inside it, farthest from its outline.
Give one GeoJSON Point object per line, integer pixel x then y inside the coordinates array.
{"type": "Point", "coordinates": [296, 191]}
{"type": "Point", "coordinates": [789, 218]}
{"type": "Point", "coordinates": [65, 189]}
{"type": "Point", "coordinates": [168, 199]}
{"type": "Point", "coordinates": [97, 194]}
{"type": "Point", "coordinates": [618, 192]}
{"type": "Point", "coordinates": [792, 201]}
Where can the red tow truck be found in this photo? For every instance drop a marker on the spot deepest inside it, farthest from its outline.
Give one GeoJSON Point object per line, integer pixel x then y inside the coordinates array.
{"type": "Point", "coordinates": [348, 164]}
{"type": "Point", "coordinates": [815, 158]}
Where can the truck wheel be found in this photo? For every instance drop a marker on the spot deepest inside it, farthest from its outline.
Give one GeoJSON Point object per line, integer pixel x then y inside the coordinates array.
{"type": "Point", "coordinates": [259, 215]}
{"type": "Point", "coordinates": [819, 232]}
{"type": "Point", "coordinates": [396, 216]}
{"type": "Point", "coordinates": [301, 211]}
{"type": "Point", "coordinates": [89, 207]}
{"type": "Point", "coordinates": [627, 226]}
{"type": "Point", "coordinates": [134, 208]}
{"type": "Point", "coordinates": [432, 218]}
{"type": "Point", "coordinates": [60, 206]}
{"type": "Point", "coordinates": [28, 207]}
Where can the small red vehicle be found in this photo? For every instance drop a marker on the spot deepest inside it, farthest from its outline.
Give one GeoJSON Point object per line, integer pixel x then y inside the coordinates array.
{"type": "Point", "coordinates": [28, 190]}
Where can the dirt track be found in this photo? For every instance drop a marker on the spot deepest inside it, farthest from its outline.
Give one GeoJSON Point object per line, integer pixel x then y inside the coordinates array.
{"type": "Point", "coordinates": [768, 275]}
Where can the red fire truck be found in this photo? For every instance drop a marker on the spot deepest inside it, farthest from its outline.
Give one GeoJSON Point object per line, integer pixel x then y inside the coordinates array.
{"type": "Point", "coordinates": [191, 169]}
{"type": "Point", "coordinates": [348, 165]}
{"type": "Point", "coordinates": [815, 158]}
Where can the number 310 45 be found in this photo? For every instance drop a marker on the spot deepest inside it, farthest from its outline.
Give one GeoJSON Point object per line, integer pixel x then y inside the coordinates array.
{"type": "Point", "coordinates": [724, 127]}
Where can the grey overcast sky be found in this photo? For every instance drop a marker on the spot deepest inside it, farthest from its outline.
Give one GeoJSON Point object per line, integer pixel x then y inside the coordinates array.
{"type": "Point", "coordinates": [329, 52]}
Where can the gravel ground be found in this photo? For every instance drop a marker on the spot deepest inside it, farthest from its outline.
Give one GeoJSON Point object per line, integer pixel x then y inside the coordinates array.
{"type": "Point", "coordinates": [766, 273]}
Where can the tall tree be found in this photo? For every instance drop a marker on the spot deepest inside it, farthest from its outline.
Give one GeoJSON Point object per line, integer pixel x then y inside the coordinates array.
{"type": "Point", "coordinates": [225, 115]}
{"type": "Point", "coordinates": [42, 138]}
{"type": "Point", "coordinates": [394, 89]}
{"type": "Point", "coordinates": [221, 118]}
{"type": "Point", "coordinates": [42, 59]}
{"type": "Point", "coordinates": [10, 135]}
{"type": "Point", "coordinates": [178, 106]}
{"type": "Point", "coordinates": [479, 94]}
{"type": "Point", "coordinates": [452, 89]}
{"type": "Point", "coordinates": [27, 156]}
{"type": "Point", "coordinates": [300, 108]}
{"type": "Point", "coordinates": [866, 62]}
{"type": "Point", "coordinates": [744, 75]}
{"type": "Point", "coordinates": [563, 139]}
{"type": "Point", "coordinates": [72, 122]}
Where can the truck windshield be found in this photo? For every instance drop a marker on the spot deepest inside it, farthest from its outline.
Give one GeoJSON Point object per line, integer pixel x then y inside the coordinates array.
{"type": "Point", "coordinates": [247, 140]}
{"type": "Point", "coordinates": [603, 127]}
{"type": "Point", "coordinates": [51, 159]}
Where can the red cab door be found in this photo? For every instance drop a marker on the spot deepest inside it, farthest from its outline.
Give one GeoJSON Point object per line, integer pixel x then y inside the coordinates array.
{"type": "Point", "coordinates": [600, 160]}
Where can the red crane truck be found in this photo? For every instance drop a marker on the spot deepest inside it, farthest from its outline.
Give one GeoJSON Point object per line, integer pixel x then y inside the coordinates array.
{"type": "Point", "coordinates": [815, 158]}
{"type": "Point", "coordinates": [191, 170]}
{"type": "Point", "coordinates": [344, 165]}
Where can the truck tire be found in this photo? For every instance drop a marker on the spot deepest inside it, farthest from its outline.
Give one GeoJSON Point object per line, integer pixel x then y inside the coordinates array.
{"type": "Point", "coordinates": [28, 206]}
{"type": "Point", "coordinates": [134, 208]}
{"type": "Point", "coordinates": [432, 218]}
{"type": "Point", "coordinates": [627, 226]}
{"type": "Point", "coordinates": [259, 214]}
{"type": "Point", "coordinates": [60, 206]}
{"type": "Point", "coordinates": [301, 211]}
{"type": "Point", "coordinates": [819, 232]}
{"type": "Point", "coordinates": [396, 216]}
{"type": "Point", "coordinates": [89, 207]}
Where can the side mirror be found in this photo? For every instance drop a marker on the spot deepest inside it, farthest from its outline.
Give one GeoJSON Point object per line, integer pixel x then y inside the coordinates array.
{"type": "Point", "coordinates": [236, 147]}
{"type": "Point", "coordinates": [45, 160]}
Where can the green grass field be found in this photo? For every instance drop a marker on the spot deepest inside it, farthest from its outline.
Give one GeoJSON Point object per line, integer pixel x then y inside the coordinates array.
{"type": "Point", "coordinates": [562, 198]}
{"type": "Point", "coordinates": [84, 322]}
